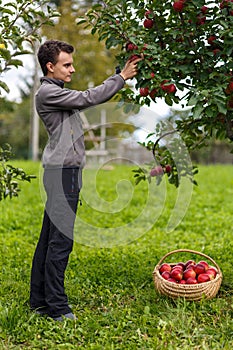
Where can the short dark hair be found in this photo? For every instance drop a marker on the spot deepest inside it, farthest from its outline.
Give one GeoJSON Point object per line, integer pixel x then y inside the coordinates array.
{"type": "Point", "coordinates": [49, 51]}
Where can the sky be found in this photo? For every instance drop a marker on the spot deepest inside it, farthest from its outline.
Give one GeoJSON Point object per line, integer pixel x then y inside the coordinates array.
{"type": "Point", "coordinates": [15, 77]}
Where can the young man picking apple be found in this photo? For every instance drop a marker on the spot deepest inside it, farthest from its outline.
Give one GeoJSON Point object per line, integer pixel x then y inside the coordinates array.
{"type": "Point", "coordinates": [63, 160]}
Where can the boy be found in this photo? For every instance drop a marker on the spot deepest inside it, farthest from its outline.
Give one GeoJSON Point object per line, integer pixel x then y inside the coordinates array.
{"type": "Point", "coordinates": [63, 160]}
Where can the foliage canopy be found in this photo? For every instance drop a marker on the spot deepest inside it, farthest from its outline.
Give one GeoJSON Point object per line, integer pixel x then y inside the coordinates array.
{"type": "Point", "coordinates": [19, 28]}
{"type": "Point", "coordinates": [188, 60]}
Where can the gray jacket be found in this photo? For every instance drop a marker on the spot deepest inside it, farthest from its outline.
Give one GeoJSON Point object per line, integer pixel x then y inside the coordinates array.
{"type": "Point", "coordinates": [59, 108]}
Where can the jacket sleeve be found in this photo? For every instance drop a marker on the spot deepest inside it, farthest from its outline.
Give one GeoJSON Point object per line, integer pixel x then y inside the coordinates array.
{"type": "Point", "coordinates": [53, 97]}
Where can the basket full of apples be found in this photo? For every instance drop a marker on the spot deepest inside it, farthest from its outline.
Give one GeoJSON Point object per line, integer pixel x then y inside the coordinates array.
{"type": "Point", "coordinates": [192, 279]}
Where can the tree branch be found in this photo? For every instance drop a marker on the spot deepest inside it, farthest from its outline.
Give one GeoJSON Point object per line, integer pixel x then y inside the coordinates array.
{"type": "Point", "coordinates": [160, 138]}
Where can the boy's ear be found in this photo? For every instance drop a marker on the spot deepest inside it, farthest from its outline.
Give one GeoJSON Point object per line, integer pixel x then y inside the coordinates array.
{"type": "Point", "coordinates": [49, 66]}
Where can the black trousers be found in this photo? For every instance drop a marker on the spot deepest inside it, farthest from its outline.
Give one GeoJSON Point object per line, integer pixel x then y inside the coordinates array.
{"type": "Point", "coordinates": [55, 243]}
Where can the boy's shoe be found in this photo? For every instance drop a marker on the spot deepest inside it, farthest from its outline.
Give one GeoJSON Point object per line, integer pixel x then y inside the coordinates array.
{"type": "Point", "coordinates": [40, 310]}
{"type": "Point", "coordinates": [61, 318]}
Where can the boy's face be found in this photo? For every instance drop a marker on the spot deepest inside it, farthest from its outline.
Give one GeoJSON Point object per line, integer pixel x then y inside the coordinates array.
{"type": "Point", "coordinates": [63, 69]}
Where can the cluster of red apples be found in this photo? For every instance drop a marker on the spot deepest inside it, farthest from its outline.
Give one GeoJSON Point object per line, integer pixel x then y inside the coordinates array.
{"type": "Point", "coordinates": [179, 5]}
{"type": "Point", "coordinates": [189, 272]}
{"type": "Point", "coordinates": [167, 86]}
{"type": "Point", "coordinates": [159, 170]}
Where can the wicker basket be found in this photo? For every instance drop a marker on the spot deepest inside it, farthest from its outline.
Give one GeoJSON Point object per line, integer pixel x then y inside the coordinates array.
{"type": "Point", "coordinates": [207, 290]}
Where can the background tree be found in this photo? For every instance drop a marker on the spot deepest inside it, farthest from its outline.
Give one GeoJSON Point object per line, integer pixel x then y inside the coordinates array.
{"type": "Point", "coordinates": [188, 60]}
{"type": "Point", "coordinates": [15, 121]}
{"type": "Point", "coordinates": [20, 21]}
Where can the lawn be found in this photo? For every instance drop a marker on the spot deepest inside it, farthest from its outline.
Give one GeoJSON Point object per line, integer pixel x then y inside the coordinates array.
{"type": "Point", "coordinates": [120, 235]}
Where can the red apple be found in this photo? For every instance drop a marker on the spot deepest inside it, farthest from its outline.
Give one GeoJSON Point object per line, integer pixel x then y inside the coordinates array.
{"type": "Point", "coordinates": [163, 84]}
{"type": "Point", "coordinates": [148, 23]}
{"type": "Point", "coordinates": [148, 14]}
{"type": "Point", "coordinates": [224, 4]}
{"type": "Point", "coordinates": [153, 93]}
{"type": "Point", "coordinates": [152, 75]}
{"type": "Point", "coordinates": [191, 280]}
{"type": "Point", "coordinates": [203, 277]}
{"type": "Point", "coordinates": [177, 274]}
{"type": "Point", "coordinates": [171, 88]}
{"type": "Point", "coordinates": [134, 57]}
{"type": "Point", "coordinates": [144, 48]}
{"type": "Point", "coordinates": [182, 282]}
{"type": "Point", "coordinates": [212, 272]}
{"type": "Point", "coordinates": [190, 262]}
{"type": "Point", "coordinates": [178, 267]}
{"type": "Point", "coordinates": [230, 86]}
{"type": "Point", "coordinates": [204, 9]}
{"type": "Point", "coordinates": [216, 51]}
{"type": "Point", "coordinates": [156, 171]}
{"type": "Point", "coordinates": [178, 6]}
{"type": "Point", "coordinates": [168, 169]}
{"type": "Point", "coordinates": [179, 39]}
{"type": "Point", "coordinates": [189, 273]}
{"type": "Point", "coordinates": [203, 262]}
{"type": "Point", "coordinates": [131, 47]}
{"type": "Point", "coordinates": [166, 275]}
{"type": "Point", "coordinates": [221, 118]}
{"type": "Point", "coordinates": [144, 91]}
{"type": "Point", "coordinates": [201, 19]}
{"type": "Point", "coordinates": [227, 91]}
{"type": "Point", "coordinates": [211, 39]}
{"type": "Point", "coordinates": [213, 268]}
{"type": "Point", "coordinates": [199, 268]}
{"type": "Point", "coordinates": [165, 267]}
{"type": "Point", "coordinates": [171, 280]}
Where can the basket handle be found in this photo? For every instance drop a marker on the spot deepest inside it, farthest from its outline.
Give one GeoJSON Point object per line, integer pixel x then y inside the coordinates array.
{"type": "Point", "coordinates": [189, 251]}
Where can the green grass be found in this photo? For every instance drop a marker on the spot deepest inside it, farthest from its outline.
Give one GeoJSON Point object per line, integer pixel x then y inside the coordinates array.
{"type": "Point", "coordinates": [109, 276]}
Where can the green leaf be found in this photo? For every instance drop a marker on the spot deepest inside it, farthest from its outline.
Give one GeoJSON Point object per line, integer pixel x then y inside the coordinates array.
{"type": "Point", "coordinates": [4, 86]}
{"type": "Point", "coordinates": [81, 21]}
{"type": "Point", "coordinates": [197, 110]}
{"type": "Point", "coordinates": [15, 63]}
{"type": "Point", "coordinates": [168, 100]}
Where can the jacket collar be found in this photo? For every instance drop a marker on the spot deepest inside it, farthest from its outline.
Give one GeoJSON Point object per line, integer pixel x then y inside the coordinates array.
{"type": "Point", "coordinates": [52, 81]}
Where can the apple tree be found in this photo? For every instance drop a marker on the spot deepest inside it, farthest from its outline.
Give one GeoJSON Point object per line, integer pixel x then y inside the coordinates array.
{"type": "Point", "coordinates": [188, 60]}
{"type": "Point", "coordinates": [19, 28]}
{"type": "Point", "coordinates": [10, 175]}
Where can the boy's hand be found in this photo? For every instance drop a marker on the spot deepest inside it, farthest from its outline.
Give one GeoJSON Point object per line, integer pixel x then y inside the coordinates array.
{"type": "Point", "coordinates": [130, 69]}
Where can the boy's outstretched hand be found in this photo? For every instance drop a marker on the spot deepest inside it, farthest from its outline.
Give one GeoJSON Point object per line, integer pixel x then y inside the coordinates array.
{"type": "Point", "coordinates": [130, 69]}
